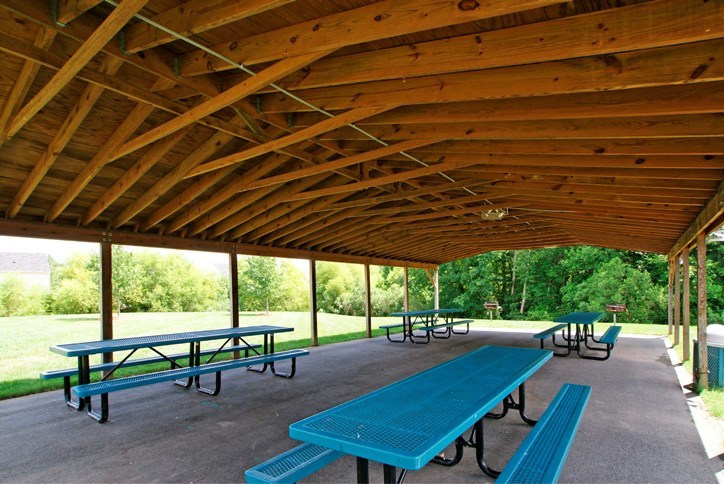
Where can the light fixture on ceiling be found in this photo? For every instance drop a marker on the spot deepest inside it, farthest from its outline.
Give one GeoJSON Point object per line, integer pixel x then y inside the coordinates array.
{"type": "Point", "coordinates": [494, 214]}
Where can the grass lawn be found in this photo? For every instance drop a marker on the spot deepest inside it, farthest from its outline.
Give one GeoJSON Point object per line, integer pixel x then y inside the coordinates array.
{"type": "Point", "coordinates": [24, 341]}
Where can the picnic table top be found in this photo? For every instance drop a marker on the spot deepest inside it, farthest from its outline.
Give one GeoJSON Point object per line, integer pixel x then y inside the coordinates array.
{"type": "Point", "coordinates": [427, 312]}
{"type": "Point", "coordinates": [106, 346]}
{"type": "Point", "coordinates": [579, 317]}
{"type": "Point", "coordinates": [407, 423]}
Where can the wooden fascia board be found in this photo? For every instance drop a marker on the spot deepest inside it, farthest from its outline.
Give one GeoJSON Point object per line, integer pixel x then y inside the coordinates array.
{"type": "Point", "coordinates": [364, 24]}
{"type": "Point", "coordinates": [59, 232]}
{"type": "Point", "coordinates": [705, 220]}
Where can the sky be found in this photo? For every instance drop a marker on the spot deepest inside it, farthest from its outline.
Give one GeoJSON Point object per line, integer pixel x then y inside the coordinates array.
{"type": "Point", "coordinates": [61, 250]}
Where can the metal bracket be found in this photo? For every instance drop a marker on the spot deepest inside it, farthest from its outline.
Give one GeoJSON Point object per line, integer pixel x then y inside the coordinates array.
{"type": "Point", "coordinates": [54, 13]}
{"type": "Point", "coordinates": [107, 237]}
{"type": "Point", "coordinates": [122, 42]}
{"type": "Point", "coordinates": [177, 68]}
{"type": "Point", "coordinates": [290, 120]}
{"type": "Point", "coordinates": [257, 104]}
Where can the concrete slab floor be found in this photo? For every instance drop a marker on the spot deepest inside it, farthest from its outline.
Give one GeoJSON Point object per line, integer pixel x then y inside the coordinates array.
{"type": "Point", "coordinates": [637, 427]}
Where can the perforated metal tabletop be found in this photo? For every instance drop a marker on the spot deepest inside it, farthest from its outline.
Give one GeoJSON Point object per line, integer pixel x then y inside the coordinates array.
{"type": "Point", "coordinates": [427, 312]}
{"type": "Point", "coordinates": [580, 317]}
{"type": "Point", "coordinates": [409, 422]}
{"type": "Point", "coordinates": [106, 346]}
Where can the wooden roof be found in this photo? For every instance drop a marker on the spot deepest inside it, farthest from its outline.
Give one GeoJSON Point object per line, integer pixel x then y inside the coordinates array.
{"type": "Point", "coordinates": [390, 132]}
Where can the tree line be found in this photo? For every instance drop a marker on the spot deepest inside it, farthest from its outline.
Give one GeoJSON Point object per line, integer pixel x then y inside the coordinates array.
{"type": "Point", "coordinates": [528, 285]}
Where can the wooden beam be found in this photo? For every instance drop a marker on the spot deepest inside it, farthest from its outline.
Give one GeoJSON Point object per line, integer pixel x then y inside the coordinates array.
{"type": "Point", "coordinates": [133, 174]}
{"type": "Point", "coordinates": [646, 68]}
{"type": "Point", "coordinates": [100, 159]}
{"type": "Point", "coordinates": [296, 137]}
{"type": "Point", "coordinates": [711, 212]}
{"type": "Point", "coordinates": [78, 113]}
{"type": "Point", "coordinates": [375, 182]}
{"type": "Point", "coordinates": [610, 31]}
{"type": "Point", "coordinates": [702, 379]}
{"type": "Point", "coordinates": [698, 98]}
{"type": "Point", "coordinates": [226, 98]}
{"type": "Point", "coordinates": [368, 301]}
{"type": "Point", "coordinates": [686, 304]}
{"type": "Point", "coordinates": [313, 301]}
{"type": "Point", "coordinates": [69, 10]}
{"type": "Point", "coordinates": [110, 26]}
{"type": "Point", "coordinates": [341, 163]}
{"type": "Point", "coordinates": [184, 198]}
{"type": "Point", "coordinates": [122, 237]}
{"type": "Point", "coordinates": [380, 20]}
{"type": "Point", "coordinates": [201, 153]}
{"type": "Point", "coordinates": [23, 81]}
{"type": "Point", "coordinates": [672, 265]}
{"type": "Point", "coordinates": [234, 293]}
{"type": "Point", "coordinates": [106, 293]}
{"type": "Point", "coordinates": [194, 17]}
{"type": "Point", "coordinates": [568, 147]}
{"type": "Point", "coordinates": [692, 125]}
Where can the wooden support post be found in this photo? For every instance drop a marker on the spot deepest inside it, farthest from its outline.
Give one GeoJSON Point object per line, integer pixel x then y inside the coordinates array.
{"type": "Point", "coordinates": [234, 294]}
{"type": "Point", "coordinates": [686, 306]}
{"type": "Point", "coordinates": [671, 295]}
{"type": "Point", "coordinates": [677, 299]}
{"type": "Point", "coordinates": [313, 300]}
{"type": "Point", "coordinates": [437, 287]}
{"type": "Point", "coordinates": [406, 289]}
{"type": "Point", "coordinates": [703, 377]}
{"type": "Point", "coordinates": [106, 270]}
{"type": "Point", "coordinates": [368, 301]}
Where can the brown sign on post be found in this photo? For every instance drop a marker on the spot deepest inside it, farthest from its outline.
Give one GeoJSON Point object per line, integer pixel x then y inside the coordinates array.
{"type": "Point", "coordinates": [491, 306]}
{"type": "Point", "coordinates": [616, 308]}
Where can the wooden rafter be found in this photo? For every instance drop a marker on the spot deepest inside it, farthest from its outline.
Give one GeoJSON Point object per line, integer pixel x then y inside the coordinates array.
{"type": "Point", "coordinates": [82, 108]}
{"type": "Point", "coordinates": [113, 23]}
{"type": "Point", "coordinates": [380, 20]}
{"type": "Point", "coordinates": [69, 10]}
{"type": "Point", "coordinates": [194, 17]}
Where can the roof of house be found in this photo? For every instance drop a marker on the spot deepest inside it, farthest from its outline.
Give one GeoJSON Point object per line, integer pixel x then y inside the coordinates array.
{"type": "Point", "coordinates": [394, 131]}
{"type": "Point", "coordinates": [24, 262]}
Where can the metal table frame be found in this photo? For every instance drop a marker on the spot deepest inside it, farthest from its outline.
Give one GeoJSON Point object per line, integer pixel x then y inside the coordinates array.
{"type": "Point", "coordinates": [409, 423]}
{"type": "Point", "coordinates": [425, 317]}
{"type": "Point", "coordinates": [194, 338]}
{"type": "Point", "coordinates": [584, 322]}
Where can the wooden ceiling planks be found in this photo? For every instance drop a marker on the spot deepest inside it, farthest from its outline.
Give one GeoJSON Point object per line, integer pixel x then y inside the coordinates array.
{"type": "Point", "coordinates": [588, 122]}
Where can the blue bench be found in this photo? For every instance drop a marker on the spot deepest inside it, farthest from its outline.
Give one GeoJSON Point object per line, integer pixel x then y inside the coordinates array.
{"type": "Point", "coordinates": [292, 465]}
{"type": "Point", "coordinates": [448, 328]}
{"type": "Point", "coordinates": [609, 339]}
{"type": "Point", "coordinates": [388, 327]}
{"type": "Point", "coordinates": [549, 332]}
{"type": "Point", "coordinates": [66, 373]}
{"type": "Point", "coordinates": [104, 387]}
{"type": "Point", "coordinates": [541, 456]}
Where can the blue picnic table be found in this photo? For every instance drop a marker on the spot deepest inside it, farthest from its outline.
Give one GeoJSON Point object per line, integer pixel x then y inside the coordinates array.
{"type": "Point", "coordinates": [427, 320]}
{"type": "Point", "coordinates": [584, 333]}
{"type": "Point", "coordinates": [82, 351]}
{"type": "Point", "coordinates": [448, 398]}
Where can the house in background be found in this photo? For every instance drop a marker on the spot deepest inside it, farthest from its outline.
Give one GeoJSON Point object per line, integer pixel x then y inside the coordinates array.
{"type": "Point", "coordinates": [34, 269]}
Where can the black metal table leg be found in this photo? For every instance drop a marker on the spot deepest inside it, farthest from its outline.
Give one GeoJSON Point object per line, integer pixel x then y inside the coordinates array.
{"type": "Point", "coordinates": [192, 358]}
{"type": "Point", "coordinates": [363, 470]}
{"type": "Point", "coordinates": [80, 404]}
{"type": "Point", "coordinates": [479, 449]}
{"type": "Point", "coordinates": [266, 352]}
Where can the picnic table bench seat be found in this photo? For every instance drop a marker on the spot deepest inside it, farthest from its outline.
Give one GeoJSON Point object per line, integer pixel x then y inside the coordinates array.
{"type": "Point", "coordinates": [549, 332]}
{"type": "Point", "coordinates": [611, 335]}
{"type": "Point", "coordinates": [448, 327]}
{"type": "Point", "coordinates": [66, 373]}
{"type": "Point", "coordinates": [104, 387]}
{"type": "Point", "coordinates": [292, 465]}
{"type": "Point", "coordinates": [541, 456]}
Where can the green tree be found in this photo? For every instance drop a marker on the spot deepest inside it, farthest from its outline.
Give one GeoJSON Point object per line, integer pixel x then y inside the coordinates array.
{"type": "Point", "coordinates": [75, 286]}
{"type": "Point", "coordinates": [616, 281]}
{"type": "Point", "coordinates": [18, 298]}
{"type": "Point", "coordinates": [259, 283]}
